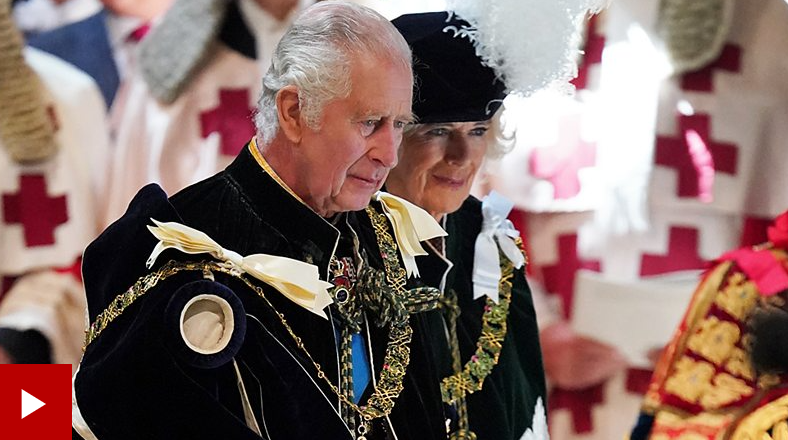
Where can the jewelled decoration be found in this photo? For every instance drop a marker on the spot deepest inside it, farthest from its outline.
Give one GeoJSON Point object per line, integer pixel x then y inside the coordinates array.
{"type": "Point", "coordinates": [395, 303]}
{"type": "Point", "coordinates": [396, 358]}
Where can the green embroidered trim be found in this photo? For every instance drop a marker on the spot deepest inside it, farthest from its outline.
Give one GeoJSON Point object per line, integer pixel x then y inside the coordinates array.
{"type": "Point", "coordinates": [488, 347]}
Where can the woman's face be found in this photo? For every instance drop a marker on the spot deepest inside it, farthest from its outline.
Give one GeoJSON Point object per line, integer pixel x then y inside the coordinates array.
{"type": "Point", "coordinates": [437, 164]}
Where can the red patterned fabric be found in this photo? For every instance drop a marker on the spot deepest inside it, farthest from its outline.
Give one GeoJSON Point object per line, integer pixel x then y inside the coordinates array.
{"type": "Point", "coordinates": [560, 277]}
{"type": "Point", "coordinates": [592, 54]}
{"type": "Point", "coordinates": [754, 231]}
{"type": "Point", "coordinates": [682, 254]}
{"type": "Point", "coordinates": [702, 80]}
{"type": "Point", "coordinates": [33, 208]}
{"type": "Point", "coordinates": [696, 156]}
{"type": "Point", "coordinates": [580, 404]}
{"type": "Point", "coordinates": [232, 119]}
{"type": "Point", "coordinates": [560, 166]}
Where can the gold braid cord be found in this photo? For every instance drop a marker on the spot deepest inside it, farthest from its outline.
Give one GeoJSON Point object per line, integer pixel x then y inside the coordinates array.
{"type": "Point", "coordinates": [395, 361]}
{"type": "Point", "coordinates": [25, 127]}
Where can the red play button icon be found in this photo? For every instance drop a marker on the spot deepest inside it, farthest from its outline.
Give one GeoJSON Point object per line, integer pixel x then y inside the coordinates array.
{"type": "Point", "coordinates": [35, 402]}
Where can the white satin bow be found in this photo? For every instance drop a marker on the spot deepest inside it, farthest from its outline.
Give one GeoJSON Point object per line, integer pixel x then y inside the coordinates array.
{"type": "Point", "coordinates": [495, 228]}
{"type": "Point", "coordinates": [298, 281]}
{"type": "Point", "coordinates": [412, 225]}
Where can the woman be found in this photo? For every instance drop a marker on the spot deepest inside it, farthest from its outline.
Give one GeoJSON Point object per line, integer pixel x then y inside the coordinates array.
{"type": "Point", "coordinates": [497, 393]}
{"type": "Point", "coordinates": [456, 97]}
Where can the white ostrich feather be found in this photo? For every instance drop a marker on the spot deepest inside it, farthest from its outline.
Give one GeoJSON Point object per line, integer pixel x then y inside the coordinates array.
{"type": "Point", "coordinates": [538, 429]}
{"type": "Point", "coordinates": [531, 44]}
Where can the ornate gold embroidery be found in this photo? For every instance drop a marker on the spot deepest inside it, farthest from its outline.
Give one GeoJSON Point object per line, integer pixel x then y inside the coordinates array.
{"type": "Point", "coordinates": [690, 379]}
{"type": "Point", "coordinates": [738, 297]}
{"type": "Point", "coordinates": [700, 426]}
{"type": "Point", "coordinates": [396, 358]}
{"type": "Point", "coordinates": [739, 364]}
{"type": "Point", "coordinates": [766, 422]}
{"type": "Point", "coordinates": [766, 381]}
{"type": "Point", "coordinates": [714, 339]}
{"type": "Point", "coordinates": [726, 389]}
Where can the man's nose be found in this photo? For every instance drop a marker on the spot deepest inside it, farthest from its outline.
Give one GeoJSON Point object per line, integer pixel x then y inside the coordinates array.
{"type": "Point", "coordinates": [385, 143]}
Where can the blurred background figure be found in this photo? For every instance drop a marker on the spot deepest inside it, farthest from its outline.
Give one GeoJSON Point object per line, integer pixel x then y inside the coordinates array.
{"type": "Point", "coordinates": [725, 372]}
{"type": "Point", "coordinates": [671, 152]}
{"type": "Point", "coordinates": [35, 16]}
{"type": "Point", "coordinates": [54, 145]}
{"type": "Point", "coordinates": [189, 108]}
{"type": "Point", "coordinates": [103, 43]}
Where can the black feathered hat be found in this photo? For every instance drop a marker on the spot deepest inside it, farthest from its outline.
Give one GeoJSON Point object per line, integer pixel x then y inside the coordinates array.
{"type": "Point", "coordinates": [451, 82]}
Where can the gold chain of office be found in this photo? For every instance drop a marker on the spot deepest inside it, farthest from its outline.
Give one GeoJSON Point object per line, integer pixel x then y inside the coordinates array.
{"type": "Point", "coordinates": [488, 347]}
{"type": "Point", "coordinates": [396, 358]}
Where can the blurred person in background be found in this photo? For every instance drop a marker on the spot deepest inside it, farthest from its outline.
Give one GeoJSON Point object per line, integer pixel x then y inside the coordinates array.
{"type": "Point", "coordinates": [54, 144]}
{"type": "Point", "coordinates": [104, 44]}
{"type": "Point", "coordinates": [189, 107]}
{"type": "Point", "coordinates": [725, 372]}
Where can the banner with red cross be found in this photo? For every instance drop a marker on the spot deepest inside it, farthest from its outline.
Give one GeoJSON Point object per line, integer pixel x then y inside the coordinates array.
{"type": "Point", "coordinates": [48, 210]}
{"type": "Point", "coordinates": [685, 168]}
{"type": "Point", "coordinates": [192, 139]}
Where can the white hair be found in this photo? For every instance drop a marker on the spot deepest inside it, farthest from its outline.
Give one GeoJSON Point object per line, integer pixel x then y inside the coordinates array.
{"type": "Point", "coordinates": [315, 55]}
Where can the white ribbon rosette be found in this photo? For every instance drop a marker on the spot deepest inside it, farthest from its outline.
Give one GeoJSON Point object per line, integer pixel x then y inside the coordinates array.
{"type": "Point", "coordinates": [497, 233]}
{"type": "Point", "coordinates": [298, 281]}
{"type": "Point", "coordinates": [412, 225]}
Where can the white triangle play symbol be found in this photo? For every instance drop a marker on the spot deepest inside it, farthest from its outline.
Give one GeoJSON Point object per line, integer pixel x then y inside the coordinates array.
{"type": "Point", "coordinates": [30, 404]}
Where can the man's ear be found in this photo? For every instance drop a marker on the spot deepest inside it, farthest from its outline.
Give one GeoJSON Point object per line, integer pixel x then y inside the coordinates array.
{"type": "Point", "coordinates": [288, 110]}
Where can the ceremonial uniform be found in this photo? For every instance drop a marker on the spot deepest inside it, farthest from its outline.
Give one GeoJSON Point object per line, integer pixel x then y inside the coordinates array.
{"type": "Point", "coordinates": [705, 386]}
{"type": "Point", "coordinates": [139, 379]}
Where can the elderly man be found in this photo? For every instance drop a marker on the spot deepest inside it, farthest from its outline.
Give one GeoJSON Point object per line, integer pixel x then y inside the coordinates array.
{"type": "Point", "coordinates": [253, 304]}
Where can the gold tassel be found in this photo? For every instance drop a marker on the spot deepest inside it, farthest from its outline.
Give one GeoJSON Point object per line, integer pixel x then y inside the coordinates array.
{"type": "Point", "coordinates": [26, 129]}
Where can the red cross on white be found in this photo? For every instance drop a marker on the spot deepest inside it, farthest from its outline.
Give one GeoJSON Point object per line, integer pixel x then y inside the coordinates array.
{"type": "Point", "coordinates": [579, 403]}
{"type": "Point", "coordinates": [703, 80]}
{"type": "Point", "coordinates": [559, 278]}
{"type": "Point", "coordinates": [559, 163]}
{"type": "Point", "coordinates": [592, 54]}
{"type": "Point", "coordinates": [754, 230]}
{"type": "Point", "coordinates": [37, 212]}
{"type": "Point", "coordinates": [682, 254]}
{"type": "Point", "coordinates": [696, 156]}
{"type": "Point", "coordinates": [232, 119]}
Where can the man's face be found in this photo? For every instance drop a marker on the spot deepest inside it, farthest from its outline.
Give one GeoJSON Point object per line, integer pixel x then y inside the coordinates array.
{"type": "Point", "coordinates": [348, 158]}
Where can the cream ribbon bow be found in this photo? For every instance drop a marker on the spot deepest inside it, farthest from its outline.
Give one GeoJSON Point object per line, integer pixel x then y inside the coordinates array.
{"type": "Point", "coordinates": [495, 228]}
{"type": "Point", "coordinates": [298, 281]}
{"type": "Point", "coordinates": [412, 225]}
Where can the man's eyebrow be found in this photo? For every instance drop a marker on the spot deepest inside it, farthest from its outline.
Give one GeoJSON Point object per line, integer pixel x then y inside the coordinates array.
{"type": "Point", "coordinates": [410, 118]}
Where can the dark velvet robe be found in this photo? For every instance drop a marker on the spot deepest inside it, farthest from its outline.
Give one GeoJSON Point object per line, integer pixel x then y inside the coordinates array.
{"type": "Point", "coordinates": [504, 408]}
{"type": "Point", "coordinates": [133, 383]}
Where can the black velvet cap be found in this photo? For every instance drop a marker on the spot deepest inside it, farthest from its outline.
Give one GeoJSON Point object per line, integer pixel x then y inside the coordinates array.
{"type": "Point", "coordinates": [451, 83]}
